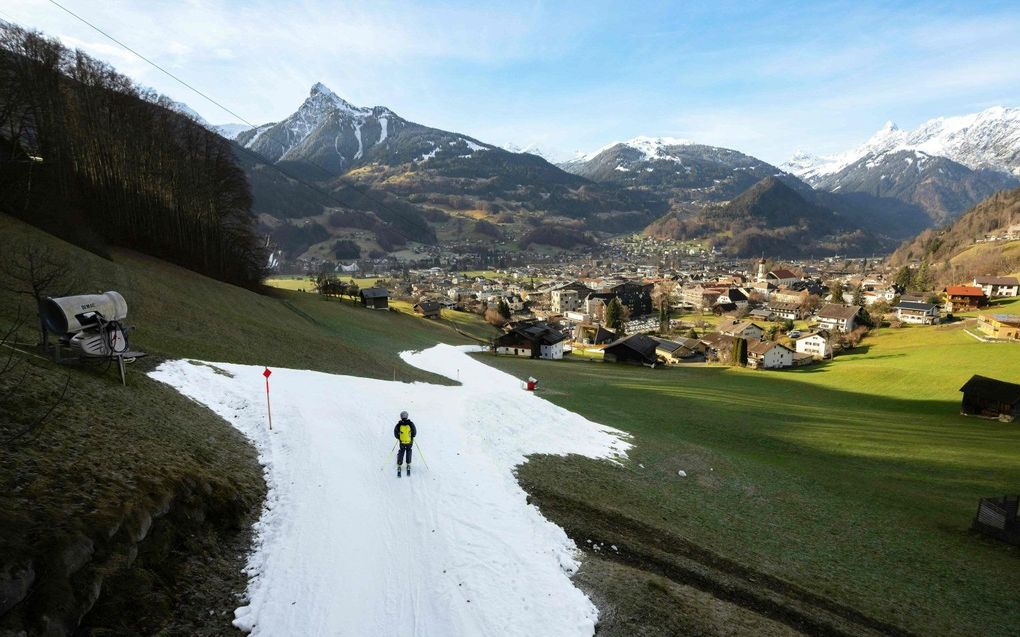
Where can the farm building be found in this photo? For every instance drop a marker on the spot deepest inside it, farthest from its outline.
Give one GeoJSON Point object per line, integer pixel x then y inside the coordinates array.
{"type": "Point", "coordinates": [1002, 326]}
{"type": "Point", "coordinates": [963, 298]}
{"type": "Point", "coordinates": [990, 398]}
{"type": "Point", "coordinates": [632, 349]}
{"type": "Point", "coordinates": [428, 309]}
{"type": "Point", "coordinates": [534, 340]}
{"type": "Point", "coordinates": [997, 287]}
{"type": "Point", "coordinates": [917, 312]}
{"type": "Point", "coordinates": [375, 298]}
{"type": "Point", "coordinates": [681, 350]}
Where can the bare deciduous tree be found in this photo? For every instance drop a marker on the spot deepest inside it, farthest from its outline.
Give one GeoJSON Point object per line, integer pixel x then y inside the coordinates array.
{"type": "Point", "coordinates": [13, 387]}
{"type": "Point", "coordinates": [28, 268]}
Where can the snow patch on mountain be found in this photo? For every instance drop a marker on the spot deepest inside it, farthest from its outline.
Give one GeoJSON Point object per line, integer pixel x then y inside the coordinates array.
{"type": "Point", "coordinates": [473, 146]}
{"type": "Point", "coordinates": [230, 131]}
{"type": "Point", "coordinates": [357, 135]}
{"type": "Point", "coordinates": [651, 148]}
{"type": "Point", "coordinates": [530, 149]}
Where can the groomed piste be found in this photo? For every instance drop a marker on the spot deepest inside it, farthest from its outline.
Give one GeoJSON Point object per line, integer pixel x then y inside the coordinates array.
{"type": "Point", "coordinates": [344, 547]}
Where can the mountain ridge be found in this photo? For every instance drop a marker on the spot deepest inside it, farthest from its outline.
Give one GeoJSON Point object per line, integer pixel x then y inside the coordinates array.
{"type": "Point", "coordinates": [769, 217]}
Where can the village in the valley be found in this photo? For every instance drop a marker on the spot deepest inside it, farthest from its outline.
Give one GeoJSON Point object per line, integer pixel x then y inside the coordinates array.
{"type": "Point", "coordinates": [652, 303]}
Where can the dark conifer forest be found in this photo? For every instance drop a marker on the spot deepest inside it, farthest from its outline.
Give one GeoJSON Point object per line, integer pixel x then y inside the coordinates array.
{"type": "Point", "coordinates": [88, 155]}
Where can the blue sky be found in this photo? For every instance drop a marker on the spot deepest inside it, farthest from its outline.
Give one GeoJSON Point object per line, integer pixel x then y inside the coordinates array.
{"type": "Point", "coordinates": [765, 78]}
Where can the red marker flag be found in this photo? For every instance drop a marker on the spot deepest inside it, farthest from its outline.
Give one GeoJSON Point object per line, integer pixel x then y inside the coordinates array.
{"type": "Point", "coordinates": [269, 410]}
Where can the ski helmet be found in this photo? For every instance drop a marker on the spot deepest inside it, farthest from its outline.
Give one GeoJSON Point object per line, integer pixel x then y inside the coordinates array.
{"type": "Point", "coordinates": [403, 415]}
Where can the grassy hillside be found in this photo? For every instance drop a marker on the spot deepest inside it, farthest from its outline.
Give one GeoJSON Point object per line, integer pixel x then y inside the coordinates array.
{"type": "Point", "coordinates": [854, 481]}
{"type": "Point", "coordinates": [770, 217]}
{"type": "Point", "coordinates": [136, 492]}
{"type": "Point", "coordinates": [951, 250]}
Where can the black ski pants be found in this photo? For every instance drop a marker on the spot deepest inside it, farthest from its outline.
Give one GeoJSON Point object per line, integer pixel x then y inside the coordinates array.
{"type": "Point", "coordinates": [400, 454]}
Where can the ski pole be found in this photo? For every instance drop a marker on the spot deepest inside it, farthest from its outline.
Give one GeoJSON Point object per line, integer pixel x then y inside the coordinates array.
{"type": "Point", "coordinates": [388, 454]}
{"type": "Point", "coordinates": [422, 456]}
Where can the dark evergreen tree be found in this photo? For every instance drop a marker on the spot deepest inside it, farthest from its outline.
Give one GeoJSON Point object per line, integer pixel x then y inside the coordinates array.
{"type": "Point", "coordinates": [503, 308]}
{"type": "Point", "coordinates": [858, 296]}
{"type": "Point", "coordinates": [614, 315]}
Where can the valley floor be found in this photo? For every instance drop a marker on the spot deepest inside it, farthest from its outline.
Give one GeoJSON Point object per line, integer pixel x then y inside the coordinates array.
{"type": "Point", "coordinates": [345, 547]}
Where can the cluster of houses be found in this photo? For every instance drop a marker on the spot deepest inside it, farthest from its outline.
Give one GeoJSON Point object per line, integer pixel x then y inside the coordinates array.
{"type": "Point", "coordinates": [956, 299]}
{"type": "Point", "coordinates": [540, 339]}
{"type": "Point", "coordinates": [551, 317]}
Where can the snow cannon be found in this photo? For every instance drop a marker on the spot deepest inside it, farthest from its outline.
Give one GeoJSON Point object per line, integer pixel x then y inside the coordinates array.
{"type": "Point", "coordinates": [532, 383]}
{"type": "Point", "coordinates": [89, 323]}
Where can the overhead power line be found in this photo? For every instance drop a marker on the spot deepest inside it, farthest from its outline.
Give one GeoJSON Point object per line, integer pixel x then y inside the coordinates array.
{"type": "Point", "coordinates": [142, 57]}
{"type": "Point", "coordinates": [367, 193]}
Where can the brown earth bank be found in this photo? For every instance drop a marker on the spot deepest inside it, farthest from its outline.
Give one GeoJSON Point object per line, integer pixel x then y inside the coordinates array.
{"type": "Point", "coordinates": [127, 511]}
{"type": "Point", "coordinates": [647, 580]}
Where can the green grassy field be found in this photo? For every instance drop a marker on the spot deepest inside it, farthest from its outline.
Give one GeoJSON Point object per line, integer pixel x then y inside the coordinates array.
{"type": "Point", "coordinates": [306, 283]}
{"type": "Point", "coordinates": [465, 323]}
{"type": "Point", "coordinates": [856, 479]}
{"type": "Point", "coordinates": [998, 306]}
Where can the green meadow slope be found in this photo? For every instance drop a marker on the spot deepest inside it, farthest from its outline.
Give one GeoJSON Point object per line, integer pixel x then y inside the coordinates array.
{"type": "Point", "coordinates": [128, 509]}
{"type": "Point", "coordinates": [844, 490]}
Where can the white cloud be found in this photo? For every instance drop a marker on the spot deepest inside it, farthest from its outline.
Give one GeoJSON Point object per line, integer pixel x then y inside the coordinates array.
{"type": "Point", "coordinates": [765, 82]}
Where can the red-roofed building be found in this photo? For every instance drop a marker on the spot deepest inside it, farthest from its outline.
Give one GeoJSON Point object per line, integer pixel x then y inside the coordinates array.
{"type": "Point", "coordinates": [963, 298]}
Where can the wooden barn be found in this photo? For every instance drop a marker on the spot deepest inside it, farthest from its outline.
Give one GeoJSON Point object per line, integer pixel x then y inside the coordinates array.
{"type": "Point", "coordinates": [991, 398]}
{"type": "Point", "coordinates": [964, 298]}
{"type": "Point", "coordinates": [638, 349]}
{"type": "Point", "coordinates": [375, 298]}
{"type": "Point", "coordinates": [428, 309]}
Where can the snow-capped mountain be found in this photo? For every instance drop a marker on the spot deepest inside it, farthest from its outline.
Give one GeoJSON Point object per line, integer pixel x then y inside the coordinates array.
{"type": "Point", "coordinates": [942, 187]}
{"type": "Point", "coordinates": [986, 140]}
{"type": "Point", "coordinates": [230, 131]}
{"type": "Point", "coordinates": [651, 148]}
{"type": "Point", "coordinates": [946, 165]}
{"type": "Point", "coordinates": [531, 149]}
{"type": "Point", "coordinates": [679, 169]}
{"type": "Point", "coordinates": [423, 174]}
{"type": "Point", "coordinates": [326, 131]}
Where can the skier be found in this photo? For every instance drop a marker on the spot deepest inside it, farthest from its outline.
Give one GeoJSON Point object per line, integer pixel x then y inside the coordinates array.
{"type": "Point", "coordinates": [405, 432]}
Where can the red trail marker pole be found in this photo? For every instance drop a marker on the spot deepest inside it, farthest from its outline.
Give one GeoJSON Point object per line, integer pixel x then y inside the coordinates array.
{"type": "Point", "coordinates": [269, 410]}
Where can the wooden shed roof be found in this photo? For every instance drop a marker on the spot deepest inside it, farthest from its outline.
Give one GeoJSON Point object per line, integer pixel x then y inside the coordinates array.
{"type": "Point", "coordinates": [992, 389]}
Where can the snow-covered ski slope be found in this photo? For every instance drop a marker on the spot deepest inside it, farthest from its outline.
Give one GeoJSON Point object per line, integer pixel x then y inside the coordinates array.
{"type": "Point", "coordinates": [344, 547]}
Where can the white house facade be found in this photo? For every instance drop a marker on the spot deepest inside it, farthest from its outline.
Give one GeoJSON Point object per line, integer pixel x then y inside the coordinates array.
{"type": "Point", "coordinates": [816, 344]}
{"type": "Point", "coordinates": [768, 355]}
